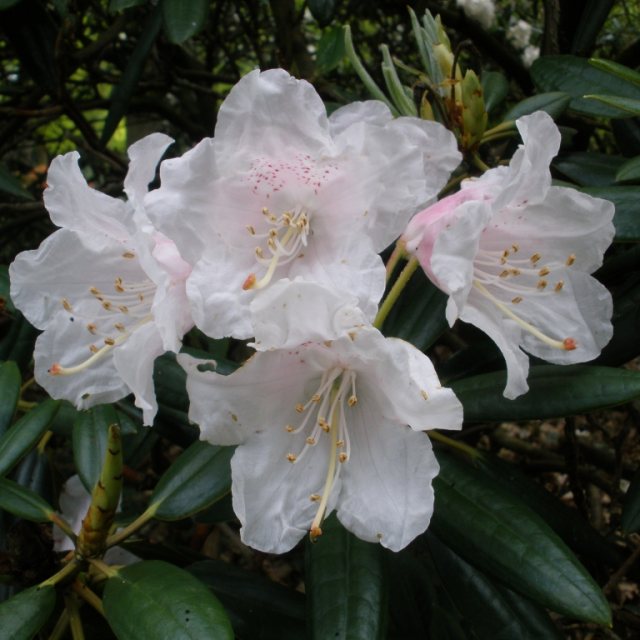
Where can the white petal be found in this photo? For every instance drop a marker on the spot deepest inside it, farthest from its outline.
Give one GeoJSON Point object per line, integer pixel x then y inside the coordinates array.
{"type": "Point", "coordinates": [386, 494]}
{"type": "Point", "coordinates": [372, 111]}
{"type": "Point", "coordinates": [134, 361]}
{"type": "Point", "coordinates": [74, 205]}
{"type": "Point", "coordinates": [74, 501]}
{"type": "Point", "coordinates": [144, 156]}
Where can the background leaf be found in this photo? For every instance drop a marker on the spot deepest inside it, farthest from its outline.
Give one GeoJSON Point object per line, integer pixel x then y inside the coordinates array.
{"type": "Point", "coordinates": [183, 18]}
{"type": "Point", "coordinates": [22, 616]}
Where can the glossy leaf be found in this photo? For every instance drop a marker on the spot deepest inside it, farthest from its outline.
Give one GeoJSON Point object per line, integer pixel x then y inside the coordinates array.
{"type": "Point", "coordinates": [488, 609]}
{"type": "Point", "coordinates": [119, 5]}
{"type": "Point", "coordinates": [555, 103]}
{"type": "Point", "coordinates": [578, 78]}
{"type": "Point", "coordinates": [22, 616]}
{"type": "Point", "coordinates": [630, 106]}
{"type": "Point", "coordinates": [629, 171]}
{"type": "Point", "coordinates": [627, 217]}
{"type": "Point", "coordinates": [23, 502]}
{"type": "Point", "coordinates": [331, 50]}
{"type": "Point", "coordinates": [346, 595]}
{"type": "Point", "coordinates": [90, 442]}
{"type": "Point", "coordinates": [418, 316]}
{"type": "Point", "coordinates": [10, 382]}
{"type": "Point", "coordinates": [10, 184]}
{"type": "Point", "coordinates": [123, 92]}
{"type": "Point", "coordinates": [619, 70]}
{"type": "Point", "coordinates": [496, 533]}
{"type": "Point", "coordinates": [593, 17]}
{"type": "Point", "coordinates": [157, 600]}
{"type": "Point", "coordinates": [631, 507]}
{"type": "Point", "coordinates": [589, 169]}
{"type": "Point", "coordinates": [258, 608]}
{"type": "Point", "coordinates": [322, 10]}
{"type": "Point", "coordinates": [553, 391]}
{"type": "Point", "coordinates": [495, 88]}
{"type": "Point", "coordinates": [183, 18]}
{"type": "Point", "coordinates": [19, 439]}
{"type": "Point", "coordinates": [199, 477]}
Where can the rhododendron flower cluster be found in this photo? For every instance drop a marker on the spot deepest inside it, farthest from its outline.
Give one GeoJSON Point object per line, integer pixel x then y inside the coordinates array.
{"type": "Point", "coordinates": [272, 231]}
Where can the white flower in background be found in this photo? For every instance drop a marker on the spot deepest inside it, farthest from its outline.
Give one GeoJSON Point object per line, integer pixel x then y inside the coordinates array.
{"type": "Point", "coordinates": [530, 55]}
{"type": "Point", "coordinates": [74, 503]}
{"type": "Point", "coordinates": [519, 34]}
{"type": "Point", "coordinates": [483, 11]}
{"type": "Point", "coordinates": [332, 425]}
{"type": "Point", "coordinates": [283, 191]}
{"type": "Point", "coordinates": [107, 288]}
{"type": "Point", "coordinates": [515, 253]}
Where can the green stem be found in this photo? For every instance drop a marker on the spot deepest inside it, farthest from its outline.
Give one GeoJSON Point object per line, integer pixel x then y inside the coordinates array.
{"type": "Point", "coordinates": [75, 622]}
{"type": "Point", "coordinates": [395, 292]}
{"type": "Point", "coordinates": [509, 126]}
{"type": "Point", "coordinates": [83, 591]}
{"type": "Point", "coordinates": [123, 534]}
{"type": "Point", "coordinates": [454, 444]}
{"type": "Point", "coordinates": [61, 523]}
{"type": "Point", "coordinates": [497, 136]}
{"type": "Point", "coordinates": [396, 255]}
{"type": "Point", "coordinates": [479, 162]}
{"type": "Point", "coordinates": [61, 626]}
{"type": "Point", "coordinates": [103, 567]}
{"type": "Point", "coordinates": [64, 573]}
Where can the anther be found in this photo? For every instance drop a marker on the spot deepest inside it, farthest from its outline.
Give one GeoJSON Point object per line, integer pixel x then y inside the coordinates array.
{"type": "Point", "coordinates": [569, 344]}
{"type": "Point", "coordinates": [292, 457]}
{"type": "Point", "coordinates": [123, 308]}
{"type": "Point", "coordinates": [249, 282]}
{"type": "Point", "coordinates": [300, 407]}
{"type": "Point", "coordinates": [289, 428]}
{"type": "Point", "coordinates": [128, 255]}
{"type": "Point", "coordinates": [316, 397]}
{"type": "Point", "coordinates": [343, 457]}
{"type": "Point", "coordinates": [558, 286]}
{"type": "Point", "coordinates": [106, 305]}
{"type": "Point", "coordinates": [109, 341]}
{"type": "Point", "coordinates": [314, 497]}
{"type": "Point", "coordinates": [505, 273]}
{"type": "Point", "coordinates": [571, 259]}
{"type": "Point", "coordinates": [535, 258]}
{"type": "Point", "coordinates": [515, 248]}
{"type": "Point", "coordinates": [310, 441]}
{"type": "Point", "coordinates": [95, 291]}
{"type": "Point", "coordinates": [91, 328]}
{"type": "Point", "coordinates": [545, 271]}
{"type": "Point", "coordinates": [516, 300]}
{"type": "Point", "coordinates": [424, 394]}
{"type": "Point", "coordinates": [120, 327]}
{"type": "Point", "coordinates": [251, 229]}
{"type": "Point", "coordinates": [352, 401]}
{"type": "Point", "coordinates": [93, 348]}
{"type": "Point", "coordinates": [324, 425]}
{"type": "Point", "coordinates": [66, 304]}
{"type": "Point", "coordinates": [542, 284]}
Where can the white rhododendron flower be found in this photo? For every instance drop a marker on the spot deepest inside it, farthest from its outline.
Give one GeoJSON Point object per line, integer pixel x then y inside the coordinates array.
{"type": "Point", "coordinates": [530, 55]}
{"type": "Point", "coordinates": [519, 34]}
{"type": "Point", "coordinates": [107, 288]}
{"type": "Point", "coordinates": [483, 11]}
{"type": "Point", "coordinates": [283, 191]}
{"type": "Point", "coordinates": [323, 426]}
{"type": "Point", "coordinates": [515, 253]}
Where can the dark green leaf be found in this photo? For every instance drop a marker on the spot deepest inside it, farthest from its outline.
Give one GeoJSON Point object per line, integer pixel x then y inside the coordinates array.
{"type": "Point", "coordinates": [5, 4]}
{"type": "Point", "coordinates": [119, 5]}
{"type": "Point", "coordinates": [90, 442]}
{"type": "Point", "coordinates": [495, 88]}
{"type": "Point", "coordinates": [34, 472]}
{"type": "Point", "coordinates": [18, 440]}
{"type": "Point", "coordinates": [157, 600]}
{"type": "Point", "coordinates": [197, 479]}
{"type": "Point", "coordinates": [18, 342]}
{"type": "Point", "coordinates": [553, 391]}
{"type": "Point", "coordinates": [594, 15]}
{"type": "Point", "coordinates": [346, 595]}
{"type": "Point", "coordinates": [502, 537]}
{"type": "Point", "coordinates": [631, 507]}
{"type": "Point", "coordinates": [418, 316]}
{"type": "Point", "coordinates": [22, 616]}
{"type": "Point", "coordinates": [629, 171]}
{"type": "Point", "coordinates": [23, 502]}
{"type": "Point", "coordinates": [577, 77]}
{"type": "Point", "coordinates": [555, 103]}
{"type": "Point", "coordinates": [10, 184]}
{"type": "Point", "coordinates": [123, 92]}
{"type": "Point", "coordinates": [488, 609]}
{"type": "Point", "coordinates": [619, 70]}
{"type": "Point", "coordinates": [589, 169]}
{"type": "Point", "coordinates": [630, 106]}
{"type": "Point", "coordinates": [183, 19]}
{"type": "Point", "coordinates": [627, 203]}
{"type": "Point", "coordinates": [259, 608]}
{"type": "Point", "coordinates": [10, 382]}
{"type": "Point", "coordinates": [331, 49]}
{"type": "Point", "coordinates": [322, 10]}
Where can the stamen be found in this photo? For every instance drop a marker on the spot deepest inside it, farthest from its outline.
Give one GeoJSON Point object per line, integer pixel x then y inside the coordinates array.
{"type": "Point", "coordinates": [67, 305]}
{"type": "Point", "coordinates": [559, 286]}
{"type": "Point", "coordinates": [535, 258]}
{"type": "Point", "coordinates": [571, 259]}
{"type": "Point", "coordinates": [545, 271]}
{"type": "Point", "coordinates": [567, 344]}
{"type": "Point", "coordinates": [516, 300]}
{"type": "Point", "coordinates": [291, 457]}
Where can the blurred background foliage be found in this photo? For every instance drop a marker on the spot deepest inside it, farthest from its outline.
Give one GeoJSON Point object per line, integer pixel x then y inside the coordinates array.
{"type": "Point", "coordinates": [97, 76]}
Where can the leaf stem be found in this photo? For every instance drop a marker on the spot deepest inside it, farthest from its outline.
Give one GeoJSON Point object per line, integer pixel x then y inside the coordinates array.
{"type": "Point", "coordinates": [454, 444]}
{"type": "Point", "coordinates": [64, 573]}
{"type": "Point", "coordinates": [396, 255]}
{"type": "Point", "coordinates": [88, 596]}
{"type": "Point", "coordinates": [479, 162]}
{"type": "Point", "coordinates": [395, 292]}
{"type": "Point", "coordinates": [139, 522]}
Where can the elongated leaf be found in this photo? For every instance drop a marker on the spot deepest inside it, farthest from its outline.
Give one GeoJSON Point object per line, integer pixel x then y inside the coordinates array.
{"type": "Point", "coordinates": [594, 14]}
{"type": "Point", "coordinates": [258, 608]}
{"type": "Point", "coordinates": [630, 106]}
{"type": "Point", "coordinates": [418, 316]}
{"type": "Point", "coordinates": [346, 596]}
{"type": "Point", "coordinates": [553, 391]}
{"type": "Point", "coordinates": [499, 535]}
{"type": "Point", "coordinates": [578, 78]}
{"type": "Point", "coordinates": [119, 5]}
{"type": "Point", "coordinates": [555, 103]}
{"type": "Point", "coordinates": [23, 502]}
{"type": "Point", "coordinates": [199, 477]}
{"type": "Point", "coordinates": [17, 442]}
{"type": "Point", "coordinates": [589, 169]}
{"type": "Point", "coordinates": [157, 600]}
{"type": "Point", "coordinates": [629, 171]}
{"type": "Point", "coordinates": [619, 70]}
{"type": "Point", "coordinates": [22, 616]}
{"type": "Point", "coordinates": [322, 10]}
{"type": "Point", "coordinates": [331, 50]}
{"type": "Point", "coordinates": [631, 510]}
{"type": "Point", "coordinates": [124, 90]}
{"type": "Point", "coordinates": [183, 19]}
{"type": "Point", "coordinates": [90, 442]}
{"type": "Point", "coordinates": [10, 382]}
{"type": "Point", "coordinates": [495, 88]}
{"type": "Point", "coordinates": [10, 184]}
{"type": "Point", "coordinates": [627, 217]}
{"type": "Point", "coordinates": [488, 609]}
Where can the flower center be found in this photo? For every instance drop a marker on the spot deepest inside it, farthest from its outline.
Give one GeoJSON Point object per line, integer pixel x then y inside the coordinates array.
{"type": "Point", "coordinates": [324, 415]}
{"type": "Point", "coordinates": [518, 278]}
{"type": "Point", "coordinates": [117, 316]}
{"type": "Point", "coordinates": [286, 235]}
